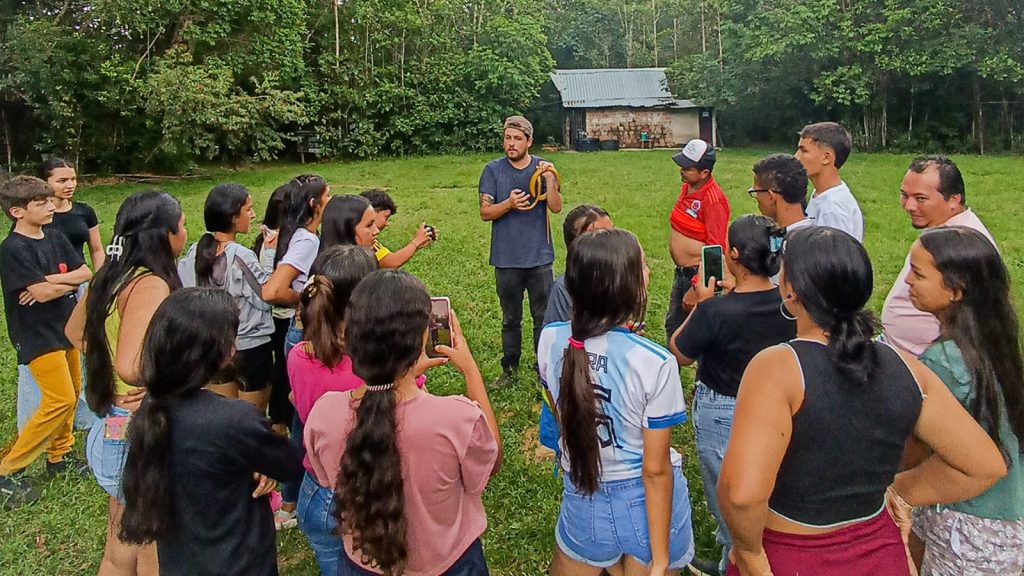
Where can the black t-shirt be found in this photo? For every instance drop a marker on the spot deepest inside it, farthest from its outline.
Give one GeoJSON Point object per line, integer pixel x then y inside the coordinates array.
{"type": "Point", "coordinates": [37, 329]}
{"type": "Point", "coordinates": [75, 224]}
{"type": "Point", "coordinates": [723, 334]}
{"type": "Point", "coordinates": [215, 446]}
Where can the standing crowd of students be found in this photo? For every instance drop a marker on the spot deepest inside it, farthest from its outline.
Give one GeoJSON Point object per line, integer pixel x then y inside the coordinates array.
{"type": "Point", "coordinates": [223, 372]}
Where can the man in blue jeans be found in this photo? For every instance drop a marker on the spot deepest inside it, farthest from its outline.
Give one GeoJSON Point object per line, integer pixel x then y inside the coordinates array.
{"type": "Point", "coordinates": [521, 248]}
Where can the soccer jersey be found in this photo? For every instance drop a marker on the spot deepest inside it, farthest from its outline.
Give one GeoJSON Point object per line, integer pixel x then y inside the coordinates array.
{"type": "Point", "coordinates": [636, 383]}
{"type": "Point", "coordinates": [702, 214]}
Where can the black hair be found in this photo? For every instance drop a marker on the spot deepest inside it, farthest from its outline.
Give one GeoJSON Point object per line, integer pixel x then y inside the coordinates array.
{"type": "Point", "coordinates": [334, 275]}
{"type": "Point", "coordinates": [784, 175]}
{"type": "Point", "coordinates": [380, 200]}
{"type": "Point", "coordinates": [752, 236]}
{"type": "Point", "coordinates": [385, 329]}
{"type": "Point", "coordinates": [830, 272]}
{"type": "Point", "coordinates": [141, 230]}
{"type": "Point", "coordinates": [604, 276]}
{"type": "Point", "coordinates": [52, 163]}
{"type": "Point", "coordinates": [223, 204]}
{"type": "Point", "coordinates": [272, 216]}
{"type": "Point", "coordinates": [833, 136]}
{"type": "Point", "coordinates": [19, 191]}
{"type": "Point", "coordinates": [179, 357]}
{"type": "Point", "coordinates": [579, 219]}
{"type": "Point", "coordinates": [951, 181]}
{"type": "Point", "coordinates": [342, 215]}
{"type": "Point", "coordinates": [298, 209]}
{"type": "Point", "coordinates": [982, 323]}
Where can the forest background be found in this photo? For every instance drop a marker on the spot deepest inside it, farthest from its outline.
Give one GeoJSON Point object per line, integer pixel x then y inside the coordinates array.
{"type": "Point", "coordinates": [164, 85]}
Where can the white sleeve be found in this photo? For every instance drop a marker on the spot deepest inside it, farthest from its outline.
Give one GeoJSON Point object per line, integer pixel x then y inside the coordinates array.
{"type": "Point", "coordinates": [665, 406]}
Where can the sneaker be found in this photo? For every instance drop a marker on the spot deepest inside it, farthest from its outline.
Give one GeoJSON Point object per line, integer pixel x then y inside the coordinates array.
{"type": "Point", "coordinates": [284, 520]}
{"type": "Point", "coordinates": [70, 463]}
{"type": "Point", "coordinates": [15, 490]}
{"type": "Point", "coordinates": [702, 567]}
{"type": "Point", "coordinates": [507, 377]}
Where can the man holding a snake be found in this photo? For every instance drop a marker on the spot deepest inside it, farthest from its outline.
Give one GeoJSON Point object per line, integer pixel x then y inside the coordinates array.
{"type": "Point", "coordinates": [516, 193]}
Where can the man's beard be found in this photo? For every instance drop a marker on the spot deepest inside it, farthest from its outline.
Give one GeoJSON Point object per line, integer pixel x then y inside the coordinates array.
{"type": "Point", "coordinates": [517, 157]}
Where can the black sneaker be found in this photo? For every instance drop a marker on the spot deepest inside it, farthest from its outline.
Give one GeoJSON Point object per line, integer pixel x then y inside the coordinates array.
{"type": "Point", "coordinates": [507, 377]}
{"type": "Point", "coordinates": [15, 490]}
{"type": "Point", "coordinates": [702, 567]}
{"type": "Point", "coordinates": [70, 463]}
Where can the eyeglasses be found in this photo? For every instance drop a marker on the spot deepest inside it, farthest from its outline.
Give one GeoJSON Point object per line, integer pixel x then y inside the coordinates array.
{"type": "Point", "coordinates": [755, 191]}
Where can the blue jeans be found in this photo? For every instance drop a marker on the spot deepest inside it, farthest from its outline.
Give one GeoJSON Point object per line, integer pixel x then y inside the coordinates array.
{"type": "Point", "coordinates": [315, 514]}
{"type": "Point", "coordinates": [106, 456]}
{"type": "Point", "coordinates": [290, 489]}
{"type": "Point", "coordinates": [471, 563]}
{"type": "Point", "coordinates": [29, 397]}
{"type": "Point", "coordinates": [600, 528]}
{"type": "Point", "coordinates": [712, 425]}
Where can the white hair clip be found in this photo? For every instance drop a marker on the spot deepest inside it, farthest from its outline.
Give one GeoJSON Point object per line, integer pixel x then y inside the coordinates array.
{"type": "Point", "coordinates": [116, 247]}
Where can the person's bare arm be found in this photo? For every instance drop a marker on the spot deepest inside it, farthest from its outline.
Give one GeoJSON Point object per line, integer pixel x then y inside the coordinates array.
{"type": "Point", "coordinates": [964, 461]}
{"type": "Point", "coordinates": [96, 248]}
{"type": "Point", "coordinates": [73, 278]}
{"type": "Point", "coordinates": [278, 289]}
{"type": "Point", "coordinates": [681, 358]}
{"type": "Point", "coordinates": [489, 210]}
{"type": "Point", "coordinates": [762, 428]}
{"type": "Point", "coordinates": [137, 304]}
{"type": "Point", "coordinates": [553, 187]}
{"type": "Point", "coordinates": [657, 479]}
{"type": "Point", "coordinates": [397, 258]}
{"type": "Point", "coordinates": [44, 292]}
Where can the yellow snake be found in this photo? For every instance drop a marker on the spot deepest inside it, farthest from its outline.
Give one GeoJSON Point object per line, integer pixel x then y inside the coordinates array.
{"type": "Point", "coordinates": [538, 194]}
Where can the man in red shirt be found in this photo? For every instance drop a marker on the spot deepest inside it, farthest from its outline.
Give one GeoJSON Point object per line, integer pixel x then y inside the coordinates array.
{"type": "Point", "coordinates": [699, 218]}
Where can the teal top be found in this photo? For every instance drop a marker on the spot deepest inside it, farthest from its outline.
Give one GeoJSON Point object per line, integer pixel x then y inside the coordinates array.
{"type": "Point", "coordinates": [1005, 500]}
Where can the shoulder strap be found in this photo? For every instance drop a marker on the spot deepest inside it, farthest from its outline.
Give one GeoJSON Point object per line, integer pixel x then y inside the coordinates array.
{"type": "Point", "coordinates": [231, 253]}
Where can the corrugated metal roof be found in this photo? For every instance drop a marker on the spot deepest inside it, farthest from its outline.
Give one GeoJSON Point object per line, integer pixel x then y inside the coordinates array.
{"type": "Point", "coordinates": [605, 87]}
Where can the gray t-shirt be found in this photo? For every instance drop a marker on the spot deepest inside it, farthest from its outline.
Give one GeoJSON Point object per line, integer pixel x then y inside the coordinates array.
{"type": "Point", "coordinates": [518, 239]}
{"type": "Point", "coordinates": [301, 253]}
{"type": "Point", "coordinates": [559, 303]}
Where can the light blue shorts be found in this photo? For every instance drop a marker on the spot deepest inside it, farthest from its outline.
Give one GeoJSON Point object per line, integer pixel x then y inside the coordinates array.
{"type": "Point", "coordinates": [598, 529]}
{"type": "Point", "coordinates": [106, 457]}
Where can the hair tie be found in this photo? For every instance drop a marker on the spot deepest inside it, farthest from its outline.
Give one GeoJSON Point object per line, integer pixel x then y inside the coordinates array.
{"type": "Point", "coordinates": [310, 289]}
{"type": "Point", "coordinates": [116, 247]}
{"type": "Point", "coordinates": [380, 387]}
{"type": "Point", "coordinates": [775, 243]}
{"type": "Point", "coordinates": [575, 343]}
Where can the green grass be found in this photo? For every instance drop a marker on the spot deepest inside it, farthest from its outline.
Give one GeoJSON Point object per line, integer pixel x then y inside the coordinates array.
{"type": "Point", "coordinates": [65, 531]}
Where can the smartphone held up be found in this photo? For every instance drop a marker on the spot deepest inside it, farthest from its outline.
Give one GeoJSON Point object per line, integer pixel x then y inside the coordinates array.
{"type": "Point", "coordinates": [440, 325]}
{"type": "Point", "coordinates": [713, 265]}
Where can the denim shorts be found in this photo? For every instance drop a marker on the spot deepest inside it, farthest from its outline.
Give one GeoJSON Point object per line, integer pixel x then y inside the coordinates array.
{"type": "Point", "coordinates": [598, 529]}
{"type": "Point", "coordinates": [106, 457]}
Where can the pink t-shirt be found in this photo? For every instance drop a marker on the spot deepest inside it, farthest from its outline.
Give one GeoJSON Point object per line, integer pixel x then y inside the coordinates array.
{"type": "Point", "coordinates": [906, 327]}
{"type": "Point", "coordinates": [310, 379]}
{"type": "Point", "coordinates": [447, 453]}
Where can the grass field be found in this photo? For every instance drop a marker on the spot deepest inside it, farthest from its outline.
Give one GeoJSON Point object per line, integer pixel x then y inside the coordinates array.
{"type": "Point", "coordinates": [64, 532]}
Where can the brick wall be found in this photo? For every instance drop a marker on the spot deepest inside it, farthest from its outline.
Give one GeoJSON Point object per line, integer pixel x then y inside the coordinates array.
{"type": "Point", "coordinates": [666, 128]}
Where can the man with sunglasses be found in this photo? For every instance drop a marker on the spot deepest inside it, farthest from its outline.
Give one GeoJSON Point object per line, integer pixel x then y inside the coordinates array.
{"type": "Point", "coordinates": [780, 188]}
{"type": "Point", "coordinates": [700, 218]}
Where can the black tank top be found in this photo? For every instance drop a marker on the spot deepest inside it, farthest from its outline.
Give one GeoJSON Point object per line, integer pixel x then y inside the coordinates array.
{"type": "Point", "coordinates": [847, 439]}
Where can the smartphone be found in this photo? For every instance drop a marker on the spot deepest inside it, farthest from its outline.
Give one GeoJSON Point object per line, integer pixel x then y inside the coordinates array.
{"type": "Point", "coordinates": [711, 259]}
{"type": "Point", "coordinates": [440, 325]}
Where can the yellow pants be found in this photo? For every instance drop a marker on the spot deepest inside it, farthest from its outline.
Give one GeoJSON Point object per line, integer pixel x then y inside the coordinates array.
{"type": "Point", "coordinates": [59, 377]}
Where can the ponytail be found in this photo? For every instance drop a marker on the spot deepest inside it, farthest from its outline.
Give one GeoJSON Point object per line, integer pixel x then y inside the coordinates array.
{"type": "Point", "coordinates": [371, 506]}
{"type": "Point", "coordinates": [147, 472]}
{"type": "Point", "coordinates": [850, 345]}
{"type": "Point", "coordinates": [322, 320]}
{"type": "Point", "coordinates": [759, 243]}
{"type": "Point", "coordinates": [578, 416]}
{"type": "Point", "coordinates": [206, 254]}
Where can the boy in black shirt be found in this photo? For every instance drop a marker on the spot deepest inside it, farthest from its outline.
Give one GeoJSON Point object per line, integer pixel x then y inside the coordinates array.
{"type": "Point", "coordinates": [39, 274]}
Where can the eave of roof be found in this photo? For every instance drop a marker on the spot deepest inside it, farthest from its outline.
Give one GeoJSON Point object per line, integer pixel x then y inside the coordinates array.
{"type": "Point", "coordinates": [616, 87]}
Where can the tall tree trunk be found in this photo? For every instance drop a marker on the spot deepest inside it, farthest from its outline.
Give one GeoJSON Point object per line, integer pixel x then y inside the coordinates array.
{"type": "Point", "coordinates": [337, 36]}
{"type": "Point", "coordinates": [979, 120]}
{"type": "Point", "coordinates": [910, 123]}
{"type": "Point", "coordinates": [654, 31]}
{"type": "Point", "coordinates": [703, 31]}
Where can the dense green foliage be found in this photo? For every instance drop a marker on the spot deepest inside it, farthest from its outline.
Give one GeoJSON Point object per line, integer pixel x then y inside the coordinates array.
{"type": "Point", "coordinates": [163, 84]}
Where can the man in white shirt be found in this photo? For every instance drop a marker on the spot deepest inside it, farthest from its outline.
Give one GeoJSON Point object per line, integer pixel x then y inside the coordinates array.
{"type": "Point", "coordinates": [823, 149]}
{"type": "Point", "coordinates": [780, 188]}
{"type": "Point", "coordinates": [932, 194]}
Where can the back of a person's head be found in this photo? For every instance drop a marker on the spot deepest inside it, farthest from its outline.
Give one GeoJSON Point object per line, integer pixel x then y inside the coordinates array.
{"type": "Point", "coordinates": [758, 240]}
{"type": "Point", "coordinates": [981, 320]}
{"type": "Point", "coordinates": [334, 275]}
{"type": "Point", "coordinates": [784, 175]}
{"type": "Point", "coordinates": [604, 275]}
{"type": "Point", "coordinates": [19, 191]}
{"type": "Point", "coordinates": [579, 219]}
{"type": "Point", "coordinates": [385, 333]}
{"type": "Point", "coordinates": [301, 196]}
{"type": "Point", "coordinates": [380, 200]}
{"type": "Point", "coordinates": [829, 272]}
{"type": "Point", "coordinates": [140, 244]}
{"type": "Point", "coordinates": [179, 357]}
{"type": "Point", "coordinates": [342, 215]}
{"type": "Point", "coordinates": [223, 204]}
{"type": "Point", "coordinates": [830, 135]}
{"type": "Point", "coordinates": [951, 181]}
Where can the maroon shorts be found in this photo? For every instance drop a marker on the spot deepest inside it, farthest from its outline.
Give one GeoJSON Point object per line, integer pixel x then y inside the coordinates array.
{"type": "Point", "coordinates": [870, 547]}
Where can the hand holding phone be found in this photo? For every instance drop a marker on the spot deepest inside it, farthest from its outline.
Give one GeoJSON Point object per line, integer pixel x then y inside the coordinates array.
{"type": "Point", "coordinates": [712, 265]}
